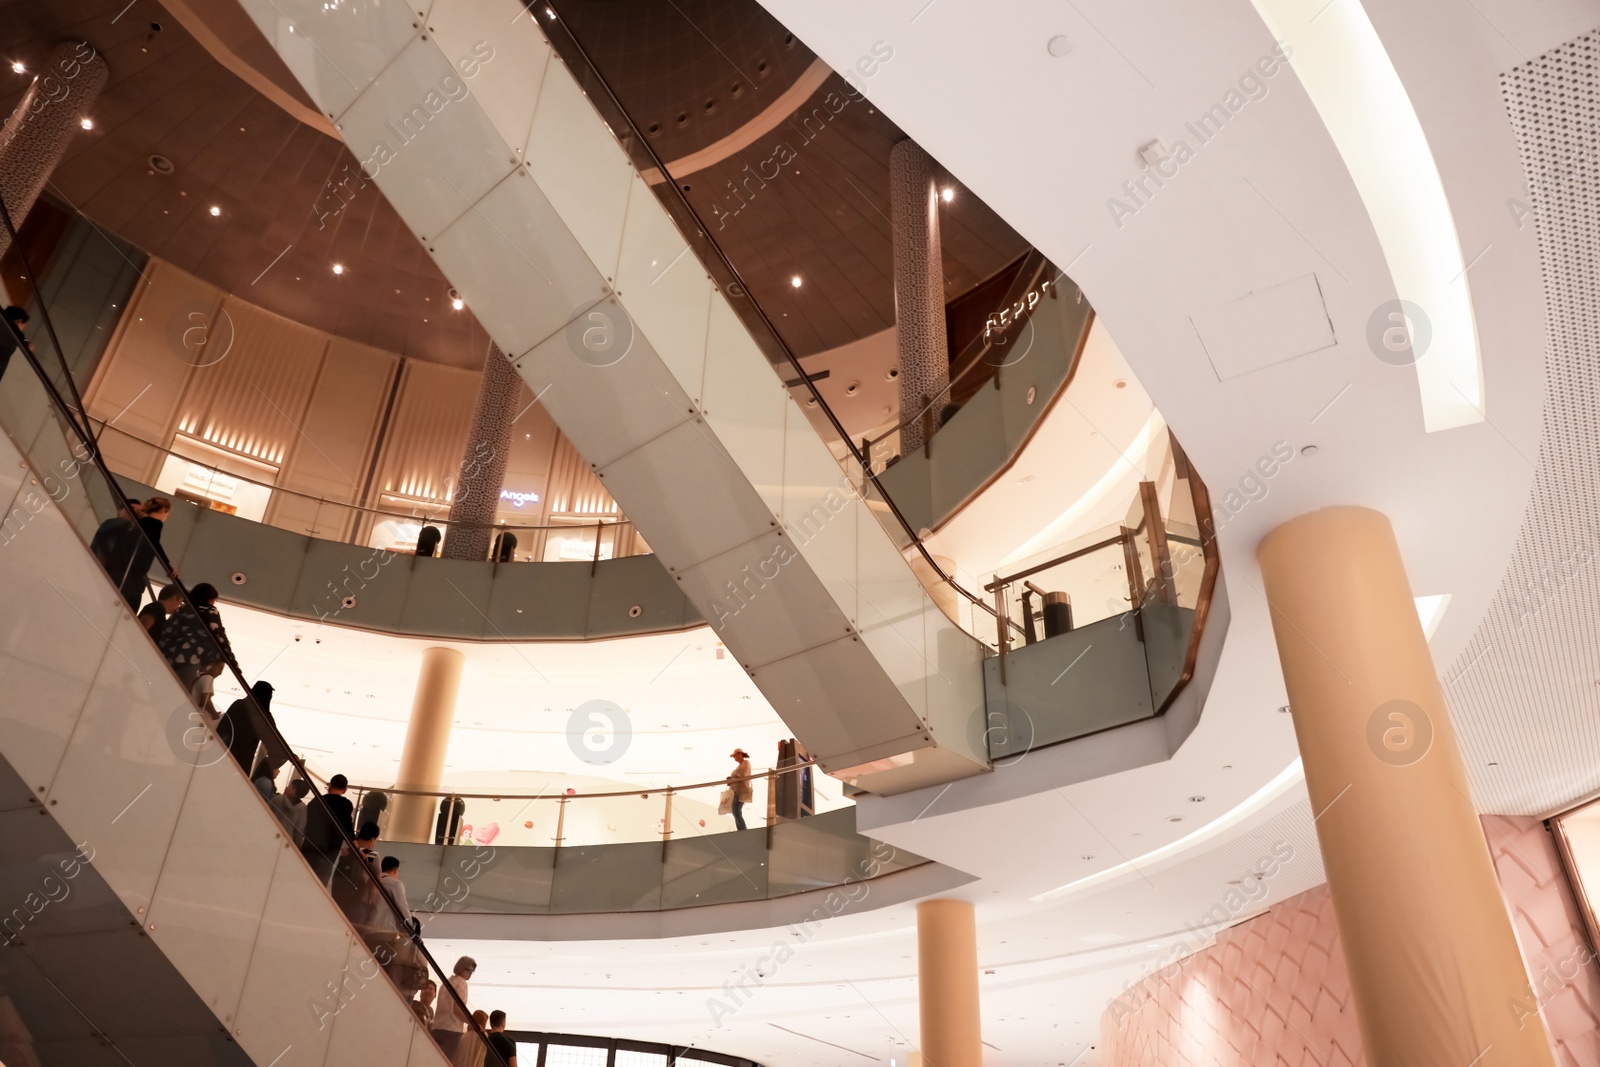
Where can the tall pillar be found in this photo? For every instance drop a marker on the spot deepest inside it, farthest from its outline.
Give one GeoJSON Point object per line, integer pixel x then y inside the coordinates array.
{"type": "Point", "coordinates": [37, 134]}
{"type": "Point", "coordinates": [918, 292]}
{"type": "Point", "coordinates": [483, 465]}
{"type": "Point", "coordinates": [1432, 957]}
{"type": "Point", "coordinates": [433, 708]}
{"type": "Point", "coordinates": [947, 983]}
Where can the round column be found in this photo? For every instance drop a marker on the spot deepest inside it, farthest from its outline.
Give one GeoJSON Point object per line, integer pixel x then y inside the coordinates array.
{"type": "Point", "coordinates": [924, 350]}
{"type": "Point", "coordinates": [1432, 957]}
{"type": "Point", "coordinates": [37, 134]}
{"type": "Point", "coordinates": [947, 983]}
{"type": "Point", "coordinates": [483, 466]}
{"type": "Point", "coordinates": [433, 709]}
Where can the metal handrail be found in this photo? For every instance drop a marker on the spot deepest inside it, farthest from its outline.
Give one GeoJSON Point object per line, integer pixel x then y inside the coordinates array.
{"type": "Point", "coordinates": [754, 775]}
{"type": "Point", "coordinates": [635, 143]}
{"type": "Point", "coordinates": [267, 724]}
{"type": "Point", "coordinates": [599, 520]}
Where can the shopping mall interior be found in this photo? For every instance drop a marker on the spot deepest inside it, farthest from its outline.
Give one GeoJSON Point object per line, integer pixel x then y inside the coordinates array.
{"type": "Point", "coordinates": [761, 533]}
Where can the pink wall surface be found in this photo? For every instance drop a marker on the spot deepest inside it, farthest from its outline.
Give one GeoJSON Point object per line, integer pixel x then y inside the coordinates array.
{"type": "Point", "coordinates": [1274, 992]}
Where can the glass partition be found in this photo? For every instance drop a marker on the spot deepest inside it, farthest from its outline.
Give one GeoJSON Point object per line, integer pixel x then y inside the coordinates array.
{"type": "Point", "coordinates": [43, 415]}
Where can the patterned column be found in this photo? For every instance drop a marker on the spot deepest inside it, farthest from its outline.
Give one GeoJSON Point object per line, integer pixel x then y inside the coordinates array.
{"type": "Point", "coordinates": [918, 292]}
{"type": "Point", "coordinates": [37, 134]}
{"type": "Point", "coordinates": [483, 465]}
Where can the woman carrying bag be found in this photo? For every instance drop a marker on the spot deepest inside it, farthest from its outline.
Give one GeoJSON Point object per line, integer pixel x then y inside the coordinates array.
{"type": "Point", "coordinates": [739, 786]}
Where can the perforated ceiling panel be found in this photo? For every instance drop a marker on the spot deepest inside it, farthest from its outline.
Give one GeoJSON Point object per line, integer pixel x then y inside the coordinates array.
{"type": "Point", "coordinates": [1526, 690]}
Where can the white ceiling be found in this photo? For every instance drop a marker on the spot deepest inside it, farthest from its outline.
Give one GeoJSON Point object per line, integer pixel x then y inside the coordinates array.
{"type": "Point", "coordinates": [344, 697]}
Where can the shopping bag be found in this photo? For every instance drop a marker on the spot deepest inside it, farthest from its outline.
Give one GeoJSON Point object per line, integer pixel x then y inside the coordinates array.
{"type": "Point", "coordinates": [725, 805]}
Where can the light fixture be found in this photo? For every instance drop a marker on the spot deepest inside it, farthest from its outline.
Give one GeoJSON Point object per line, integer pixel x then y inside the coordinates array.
{"type": "Point", "coordinates": [18, 68]}
{"type": "Point", "coordinates": [215, 211]}
{"type": "Point", "coordinates": [458, 303]}
{"type": "Point", "coordinates": [86, 122]}
{"type": "Point", "coordinates": [948, 194]}
{"type": "Point", "coordinates": [338, 268]}
{"type": "Point", "coordinates": [795, 281]}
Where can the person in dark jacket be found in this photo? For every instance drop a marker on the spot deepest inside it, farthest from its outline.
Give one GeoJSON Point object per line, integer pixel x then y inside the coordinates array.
{"type": "Point", "coordinates": [152, 519]}
{"type": "Point", "coordinates": [330, 821]}
{"type": "Point", "coordinates": [192, 638]}
{"type": "Point", "coordinates": [116, 543]}
{"type": "Point", "coordinates": [244, 727]}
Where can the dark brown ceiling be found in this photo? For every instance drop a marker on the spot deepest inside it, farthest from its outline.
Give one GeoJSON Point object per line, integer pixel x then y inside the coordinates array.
{"type": "Point", "coordinates": [825, 217]}
{"type": "Point", "coordinates": [234, 149]}
{"type": "Point", "coordinates": [695, 70]}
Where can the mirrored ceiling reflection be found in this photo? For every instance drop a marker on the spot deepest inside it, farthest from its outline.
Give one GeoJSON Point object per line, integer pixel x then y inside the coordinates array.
{"type": "Point", "coordinates": [786, 162]}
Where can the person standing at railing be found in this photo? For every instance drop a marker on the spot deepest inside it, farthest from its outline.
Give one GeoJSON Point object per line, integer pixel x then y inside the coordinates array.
{"type": "Point", "coordinates": [739, 782]}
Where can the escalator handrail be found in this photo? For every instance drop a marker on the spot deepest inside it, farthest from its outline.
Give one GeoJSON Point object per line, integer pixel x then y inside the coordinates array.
{"type": "Point", "coordinates": [638, 143]}
{"type": "Point", "coordinates": [266, 723]}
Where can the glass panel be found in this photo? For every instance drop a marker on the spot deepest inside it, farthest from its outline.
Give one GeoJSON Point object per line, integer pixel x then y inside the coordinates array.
{"type": "Point", "coordinates": [575, 1056]}
{"type": "Point", "coordinates": [632, 1058]}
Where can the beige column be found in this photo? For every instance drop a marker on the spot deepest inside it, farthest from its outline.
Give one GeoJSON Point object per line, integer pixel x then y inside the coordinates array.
{"type": "Point", "coordinates": [947, 984]}
{"type": "Point", "coordinates": [427, 740]}
{"type": "Point", "coordinates": [1433, 961]}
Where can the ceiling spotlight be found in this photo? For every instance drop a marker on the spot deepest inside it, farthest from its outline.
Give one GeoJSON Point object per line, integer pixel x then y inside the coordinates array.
{"type": "Point", "coordinates": [795, 281]}
{"type": "Point", "coordinates": [948, 194]}
{"type": "Point", "coordinates": [338, 268]}
{"type": "Point", "coordinates": [86, 123]}
{"type": "Point", "coordinates": [18, 68]}
{"type": "Point", "coordinates": [458, 303]}
{"type": "Point", "coordinates": [215, 211]}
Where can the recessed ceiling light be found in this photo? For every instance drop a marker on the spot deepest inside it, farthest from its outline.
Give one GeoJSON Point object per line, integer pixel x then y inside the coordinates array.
{"type": "Point", "coordinates": [1197, 799]}
{"type": "Point", "coordinates": [1058, 46]}
{"type": "Point", "coordinates": [948, 194]}
{"type": "Point", "coordinates": [86, 122]}
{"type": "Point", "coordinates": [18, 68]}
{"type": "Point", "coordinates": [458, 303]}
{"type": "Point", "coordinates": [338, 268]}
{"type": "Point", "coordinates": [795, 281]}
{"type": "Point", "coordinates": [215, 211]}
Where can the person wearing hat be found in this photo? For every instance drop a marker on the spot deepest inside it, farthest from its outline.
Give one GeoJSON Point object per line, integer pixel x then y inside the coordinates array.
{"type": "Point", "coordinates": [739, 782]}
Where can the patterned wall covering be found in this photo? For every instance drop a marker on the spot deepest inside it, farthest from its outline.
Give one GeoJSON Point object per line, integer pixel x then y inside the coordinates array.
{"type": "Point", "coordinates": [1274, 990]}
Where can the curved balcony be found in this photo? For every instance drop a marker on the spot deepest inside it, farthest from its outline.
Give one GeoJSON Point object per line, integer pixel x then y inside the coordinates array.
{"type": "Point", "coordinates": [378, 587]}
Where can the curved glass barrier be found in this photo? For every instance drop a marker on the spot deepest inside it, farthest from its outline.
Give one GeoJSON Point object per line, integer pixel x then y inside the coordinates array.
{"type": "Point", "coordinates": [192, 478]}
{"type": "Point", "coordinates": [559, 817]}
{"type": "Point", "coordinates": [44, 418]}
{"type": "Point", "coordinates": [793, 856]}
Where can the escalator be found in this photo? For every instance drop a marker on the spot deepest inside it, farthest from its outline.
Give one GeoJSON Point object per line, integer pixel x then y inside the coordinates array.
{"type": "Point", "coordinates": [662, 374]}
{"type": "Point", "coordinates": [155, 910]}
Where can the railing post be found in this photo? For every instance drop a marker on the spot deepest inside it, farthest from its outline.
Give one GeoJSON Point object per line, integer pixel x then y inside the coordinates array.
{"type": "Point", "coordinates": [666, 825]}
{"type": "Point", "coordinates": [561, 821]}
{"type": "Point", "coordinates": [595, 565]}
{"type": "Point", "coordinates": [1160, 554]}
{"type": "Point", "coordinates": [927, 426]}
{"type": "Point", "coordinates": [1130, 562]}
{"type": "Point", "coordinates": [772, 804]}
{"type": "Point", "coordinates": [1001, 625]}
